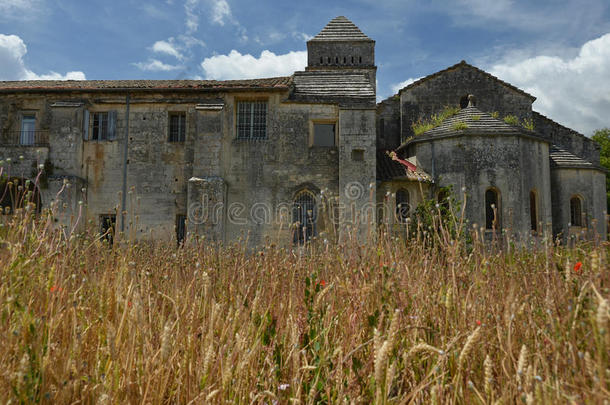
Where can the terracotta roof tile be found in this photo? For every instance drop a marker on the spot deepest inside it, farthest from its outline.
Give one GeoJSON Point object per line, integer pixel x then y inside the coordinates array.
{"type": "Point", "coordinates": [388, 169]}
{"type": "Point", "coordinates": [270, 83]}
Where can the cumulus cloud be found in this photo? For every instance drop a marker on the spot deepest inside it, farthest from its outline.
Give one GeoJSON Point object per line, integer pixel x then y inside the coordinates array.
{"type": "Point", "coordinates": [238, 66]}
{"type": "Point", "coordinates": [12, 65]}
{"type": "Point", "coordinates": [155, 65]}
{"type": "Point", "coordinates": [573, 91]}
{"type": "Point", "coordinates": [167, 48]}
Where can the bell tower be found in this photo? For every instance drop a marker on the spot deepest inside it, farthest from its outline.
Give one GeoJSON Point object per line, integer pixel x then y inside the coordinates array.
{"type": "Point", "coordinates": [342, 46]}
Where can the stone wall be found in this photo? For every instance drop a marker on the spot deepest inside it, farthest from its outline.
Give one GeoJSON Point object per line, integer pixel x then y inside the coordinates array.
{"type": "Point", "coordinates": [512, 165]}
{"type": "Point", "coordinates": [590, 186]}
{"type": "Point", "coordinates": [447, 88]}
{"type": "Point", "coordinates": [388, 123]}
{"type": "Point", "coordinates": [567, 138]}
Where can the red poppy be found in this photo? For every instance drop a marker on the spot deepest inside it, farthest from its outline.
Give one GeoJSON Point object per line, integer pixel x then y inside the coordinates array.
{"type": "Point", "coordinates": [55, 289]}
{"type": "Point", "coordinates": [322, 283]}
{"type": "Point", "coordinates": [478, 323]}
{"type": "Point", "coordinates": [577, 267]}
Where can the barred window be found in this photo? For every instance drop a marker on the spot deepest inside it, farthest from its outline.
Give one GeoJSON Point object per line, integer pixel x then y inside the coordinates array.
{"type": "Point", "coordinates": [304, 215]}
{"type": "Point", "coordinates": [252, 120]}
{"type": "Point", "coordinates": [103, 126]}
{"type": "Point", "coordinates": [177, 127]}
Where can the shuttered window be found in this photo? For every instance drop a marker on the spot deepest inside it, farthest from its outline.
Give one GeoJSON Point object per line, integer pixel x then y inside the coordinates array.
{"type": "Point", "coordinates": [103, 126]}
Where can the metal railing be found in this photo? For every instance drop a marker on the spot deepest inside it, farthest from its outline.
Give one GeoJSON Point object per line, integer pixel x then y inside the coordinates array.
{"type": "Point", "coordinates": [24, 138]}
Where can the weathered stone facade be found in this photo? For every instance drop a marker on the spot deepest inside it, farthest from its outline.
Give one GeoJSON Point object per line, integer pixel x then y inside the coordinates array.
{"type": "Point", "coordinates": [248, 159]}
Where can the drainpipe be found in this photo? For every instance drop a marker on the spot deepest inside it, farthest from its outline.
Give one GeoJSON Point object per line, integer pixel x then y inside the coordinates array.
{"type": "Point", "coordinates": [125, 155]}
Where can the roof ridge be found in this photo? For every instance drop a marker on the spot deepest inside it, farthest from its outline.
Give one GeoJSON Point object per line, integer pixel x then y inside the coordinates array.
{"type": "Point", "coordinates": [464, 63]}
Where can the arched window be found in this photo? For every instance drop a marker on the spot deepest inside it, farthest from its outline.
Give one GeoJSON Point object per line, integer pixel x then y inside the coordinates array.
{"type": "Point", "coordinates": [321, 60]}
{"type": "Point", "coordinates": [533, 211]}
{"type": "Point", "coordinates": [352, 60]}
{"type": "Point", "coordinates": [576, 211]}
{"type": "Point", "coordinates": [492, 209]}
{"type": "Point", "coordinates": [304, 215]}
{"type": "Point", "coordinates": [344, 60]}
{"type": "Point", "coordinates": [402, 205]}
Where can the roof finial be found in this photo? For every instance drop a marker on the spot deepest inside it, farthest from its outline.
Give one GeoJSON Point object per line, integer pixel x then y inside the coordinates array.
{"type": "Point", "coordinates": [471, 101]}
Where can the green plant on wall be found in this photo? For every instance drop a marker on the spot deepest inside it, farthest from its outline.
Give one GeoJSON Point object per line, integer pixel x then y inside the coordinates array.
{"type": "Point", "coordinates": [602, 136]}
{"type": "Point", "coordinates": [435, 120]}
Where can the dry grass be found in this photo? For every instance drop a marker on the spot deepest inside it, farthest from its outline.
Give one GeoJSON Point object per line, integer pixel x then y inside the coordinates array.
{"type": "Point", "coordinates": [388, 322]}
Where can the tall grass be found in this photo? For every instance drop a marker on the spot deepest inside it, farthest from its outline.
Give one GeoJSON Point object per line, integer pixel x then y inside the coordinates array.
{"type": "Point", "coordinates": [387, 322]}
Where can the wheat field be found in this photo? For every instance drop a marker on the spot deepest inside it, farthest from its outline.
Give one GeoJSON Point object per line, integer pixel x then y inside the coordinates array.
{"type": "Point", "coordinates": [424, 321]}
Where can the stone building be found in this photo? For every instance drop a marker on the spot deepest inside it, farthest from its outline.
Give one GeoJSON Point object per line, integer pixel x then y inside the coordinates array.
{"type": "Point", "coordinates": [250, 158]}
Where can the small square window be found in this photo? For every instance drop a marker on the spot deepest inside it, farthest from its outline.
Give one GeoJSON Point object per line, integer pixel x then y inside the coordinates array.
{"type": "Point", "coordinates": [177, 127]}
{"type": "Point", "coordinates": [103, 126]}
{"type": "Point", "coordinates": [358, 155]}
{"type": "Point", "coordinates": [323, 134]}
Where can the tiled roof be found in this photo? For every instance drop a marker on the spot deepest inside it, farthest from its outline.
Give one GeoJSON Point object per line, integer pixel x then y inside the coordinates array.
{"type": "Point", "coordinates": [474, 122]}
{"type": "Point", "coordinates": [388, 169]}
{"type": "Point", "coordinates": [333, 85]}
{"type": "Point", "coordinates": [270, 83]}
{"type": "Point", "coordinates": [562, 158]}
{"type": "Point", "coordinates": [341, 29]}
{"type": "Point", "coordinates": [464, 64]}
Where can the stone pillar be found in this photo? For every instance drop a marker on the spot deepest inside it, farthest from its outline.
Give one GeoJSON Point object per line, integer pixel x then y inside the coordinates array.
{"type": "Point", "coordinates": [206, 207]}
{"type": "Point", "coordinates": [357, 173]}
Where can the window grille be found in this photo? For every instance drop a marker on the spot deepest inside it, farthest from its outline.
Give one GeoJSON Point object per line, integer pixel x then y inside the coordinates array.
{"type": "Point", "coordinates": [304, 215]}
{"type": "Point", "coordinates": [177, 127]}
{"type": "Point", "coordinates": [252, 120]}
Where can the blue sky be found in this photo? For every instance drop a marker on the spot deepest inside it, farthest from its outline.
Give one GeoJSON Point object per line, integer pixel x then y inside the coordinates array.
{"type": "Point", "coordinates": [557, 50]}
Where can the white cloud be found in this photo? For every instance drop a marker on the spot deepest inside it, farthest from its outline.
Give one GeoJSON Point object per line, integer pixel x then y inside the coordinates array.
{"type": "Point", "coordinates": [12, 66]}
{"type": "Point", "coordinates": [221, 11]}
{"type": "Point", "coordinates": [238, 66]}
{"type": "Point", "coordinates": [167, 48]}
{"type": "Point", "coordinates": [573, 91]}
{"type": "Point", "coordinates": [17, 5]}
{"type": "Point", "coordinates": [155, 65]}
{"type": "Point", "coordinates": [396, 87]}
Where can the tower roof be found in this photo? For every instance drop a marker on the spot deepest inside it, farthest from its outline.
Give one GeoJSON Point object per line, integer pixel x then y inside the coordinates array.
{"type": "Point", "coordinates": [341, 29]}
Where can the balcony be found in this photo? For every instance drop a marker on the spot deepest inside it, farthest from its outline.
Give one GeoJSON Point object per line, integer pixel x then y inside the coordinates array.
{"type": "Point", "coordinates": [24, 138]}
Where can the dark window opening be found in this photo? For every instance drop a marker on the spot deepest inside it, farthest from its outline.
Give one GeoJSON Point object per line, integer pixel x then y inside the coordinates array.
{"type": "Point", "coordinates": [352, 60]}
{"type": "Point", "coordinates": [108, 227]}
{"type": "Point", "coordinates": [304, 217]}
{"type": "Point", "coordinates": [492, 210]}
{"type": "Point", "coordinates": [402, 205]}
{"type": "Point", "coordinates": [321, 60]}
{"type": "Point", "coordinates": [442, 199]}
{"type": "Point", "coordinates": [344, 60]}
{"type": "Point", "coordinates": [17, 193]}
{"type": "Point", "coordinates": [323, 134]}
{"type": "Point", "coordinates": [360, 59]}
{"type": "Point", "coordinates": [576, 211]}
{"type": "Point", "coordinates": [180, 228]}
{"type": "Point", "coordinates": [328, 60]}
{"type": "Point", "coordinates": [533, 211]}
{"type": "Point", "coordinates": [464, 101]}
{"type": "Point", "coordinates": [358, 155]}
{"type": "Point", "coordinates": [252, 120]}
{"type": "Point", "coordinates": [177, 127]}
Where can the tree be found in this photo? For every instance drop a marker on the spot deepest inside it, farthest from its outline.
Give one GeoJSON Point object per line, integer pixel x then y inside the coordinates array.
{"type": "Point", "coordinates": [602, 136]}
